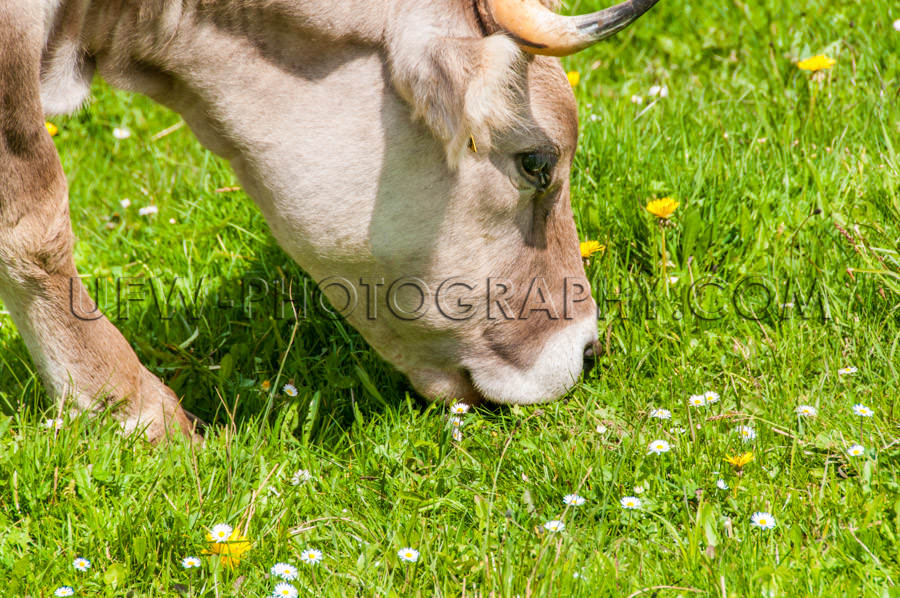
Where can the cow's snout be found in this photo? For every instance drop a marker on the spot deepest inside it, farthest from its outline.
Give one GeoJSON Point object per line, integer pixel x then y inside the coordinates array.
{"type": "Point", "coordinates": [552, 368]}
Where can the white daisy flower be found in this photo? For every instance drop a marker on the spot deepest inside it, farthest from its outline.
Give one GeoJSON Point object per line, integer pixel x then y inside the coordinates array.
{"type": "Point", "coordinates": [81, 564]}
{"type": "Point", "coordinates": [221, 532]}
{"type": "Point", "coordinates": [573, 500]}
{"type": "Point", "coordinates": [721, 484]}
{"type": "Point", "coordinates": [311, 556]}
{"type": "Point", "coordinates": [862, 411]}
{"type": "Point", "coordinates": [285, 590]}
{"type": "Point", "coordinates": [64, 591]}
{"type": "Point", "coordinates": [125, 203]}
{"type": "Point", "coordinates": [408, 555]}
{"type": "Point", "coordinates": [601, 429]}
{"type": "Point", "coordinates": [459, 409]}
{"type": "Point", "coordinates": [190, 562]}
{"type": "Point", "coordinates": [630, 502]}
{"type": "Point", "coordinates": [846, 371]}
{"type": "Point", "coordinates": [300, 476]}
{"type": "Point", "coordinates": [677, 430]}
{"type": "Point", "coordinates": [148, 210]}
{"type": "Point", "coordinates": [897, 25]}
{"type": "Point", "coordinates": [171, 221]}
{"type": "Point", "coordinates": [554, 525]}
{"type": "Point", "coordinates": [857, 450]}
{"type": "Point", "coordinates": [657, 90]}
{"type": "Point", "coordinates": [53, 424]}
{"type": "Point", "coordinates": [284, 571]}
{"type": "Point", "coordinates": [456, 434]}
{"type": "Point", "coordinates": [638, 489]}
{"type": "Point", "coordinates": [456, 422]}
{"type": "Point", "coordinates": [290, 390]}
{"type": "Point", "coordinates": [806, 411]}
{"type": "Point", "coordinates": [661, 414]}
{"type": "Point", "coordinates": [697, 400]}
{"type": "Point", "coordinates": [763, 520]}
{"type": "Point", "coordinates": [637, 100]}
{"type": "Point", "coordinates": [121, 133]}
{"type": "Point", "coordinates": [658, 447]}
{"type": "Point", "coordinates": [746, 433]}
{"type": "Point", "coordinates": [711, 396]}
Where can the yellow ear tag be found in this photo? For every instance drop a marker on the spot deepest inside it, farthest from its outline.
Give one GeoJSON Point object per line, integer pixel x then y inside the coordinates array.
{"type": "Point", "coordinates": [472, 145]}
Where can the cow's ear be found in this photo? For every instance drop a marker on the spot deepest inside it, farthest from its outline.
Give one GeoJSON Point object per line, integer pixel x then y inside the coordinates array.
{"type": "Point", "coordinates": [462, 88]}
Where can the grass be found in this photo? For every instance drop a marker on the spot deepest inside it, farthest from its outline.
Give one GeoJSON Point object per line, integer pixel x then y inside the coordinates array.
{"type": "Point", "coordinates": [789, 186]}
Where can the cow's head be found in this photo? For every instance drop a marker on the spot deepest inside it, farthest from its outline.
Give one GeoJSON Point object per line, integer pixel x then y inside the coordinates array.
{"type": "Point", "coordinates": [474, 284]}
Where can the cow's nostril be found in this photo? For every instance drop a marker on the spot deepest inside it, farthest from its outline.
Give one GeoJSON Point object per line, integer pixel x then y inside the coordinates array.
{"type": "Point", "coordinates": [591, 351]}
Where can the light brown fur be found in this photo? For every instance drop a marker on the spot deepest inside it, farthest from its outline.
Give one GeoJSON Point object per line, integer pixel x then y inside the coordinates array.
{"type": "Point", "coordinates": [391, 91]}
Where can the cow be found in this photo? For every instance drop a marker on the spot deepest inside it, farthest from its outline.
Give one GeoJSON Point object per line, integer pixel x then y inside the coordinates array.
{"type": "Point", "coordinates": [425, 144]}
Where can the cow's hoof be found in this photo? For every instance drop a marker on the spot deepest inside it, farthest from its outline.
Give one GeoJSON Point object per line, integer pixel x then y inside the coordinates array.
{"type": "Point", "coordinates": [158, 413]}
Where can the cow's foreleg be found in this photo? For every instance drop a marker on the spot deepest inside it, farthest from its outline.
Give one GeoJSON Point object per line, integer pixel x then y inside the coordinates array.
{"type": "Point", "coordinates": [88, 362]}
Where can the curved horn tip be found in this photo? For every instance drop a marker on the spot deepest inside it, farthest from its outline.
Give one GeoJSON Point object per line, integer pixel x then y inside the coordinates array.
{"type": "Point", "coordinates": [539, 30]}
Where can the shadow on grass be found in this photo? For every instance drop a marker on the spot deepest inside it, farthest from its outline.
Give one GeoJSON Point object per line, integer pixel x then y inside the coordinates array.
{"type": "Point", "coordinates": [218, 342]}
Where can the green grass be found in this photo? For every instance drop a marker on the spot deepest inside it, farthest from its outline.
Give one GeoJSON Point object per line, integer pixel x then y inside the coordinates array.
{"type": "Point", "coordinates": [735, 142]}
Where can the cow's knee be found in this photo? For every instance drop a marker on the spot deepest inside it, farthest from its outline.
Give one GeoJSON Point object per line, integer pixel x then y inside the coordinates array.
{"type": "Point", "coordinates": [35, 230]}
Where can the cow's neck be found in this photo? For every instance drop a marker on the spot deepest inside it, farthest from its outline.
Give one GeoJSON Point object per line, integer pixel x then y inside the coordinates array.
{"type": "Point", "coordinates": [307, 117]}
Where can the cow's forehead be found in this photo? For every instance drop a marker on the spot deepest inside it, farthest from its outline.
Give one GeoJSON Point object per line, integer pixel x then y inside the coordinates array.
{"type": "Point", "coordinates": [552, 103]}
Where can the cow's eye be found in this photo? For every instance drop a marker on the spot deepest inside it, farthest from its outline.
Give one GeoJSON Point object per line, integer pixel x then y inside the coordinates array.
{"type": "Point", "coordinates": [537, 167]}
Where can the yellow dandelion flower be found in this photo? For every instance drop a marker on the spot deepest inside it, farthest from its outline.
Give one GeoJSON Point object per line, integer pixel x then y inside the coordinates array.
{"type": "Point", "coordinates": [231, 550]}
{"type": "Point", "coordinates": [816, 63]}
{"type": "Point", "coordinates": [662, 208]}
{"type": "Point", "coordinates": [589, 248]}
{"type": "Point", "coordinates": [51, 128]}
{"type": "Point", "coordinates": [740, 460]}
{"type": "Point", "coordinates": [574, 77]}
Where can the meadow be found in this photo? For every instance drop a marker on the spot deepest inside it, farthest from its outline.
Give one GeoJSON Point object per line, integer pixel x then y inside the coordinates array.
{"type": "Point", "coordinates": [772, 327]}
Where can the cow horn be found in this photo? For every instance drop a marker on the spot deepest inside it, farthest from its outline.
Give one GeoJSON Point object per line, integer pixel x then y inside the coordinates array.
{"type": "Point", "coordinates": [539, 30]}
